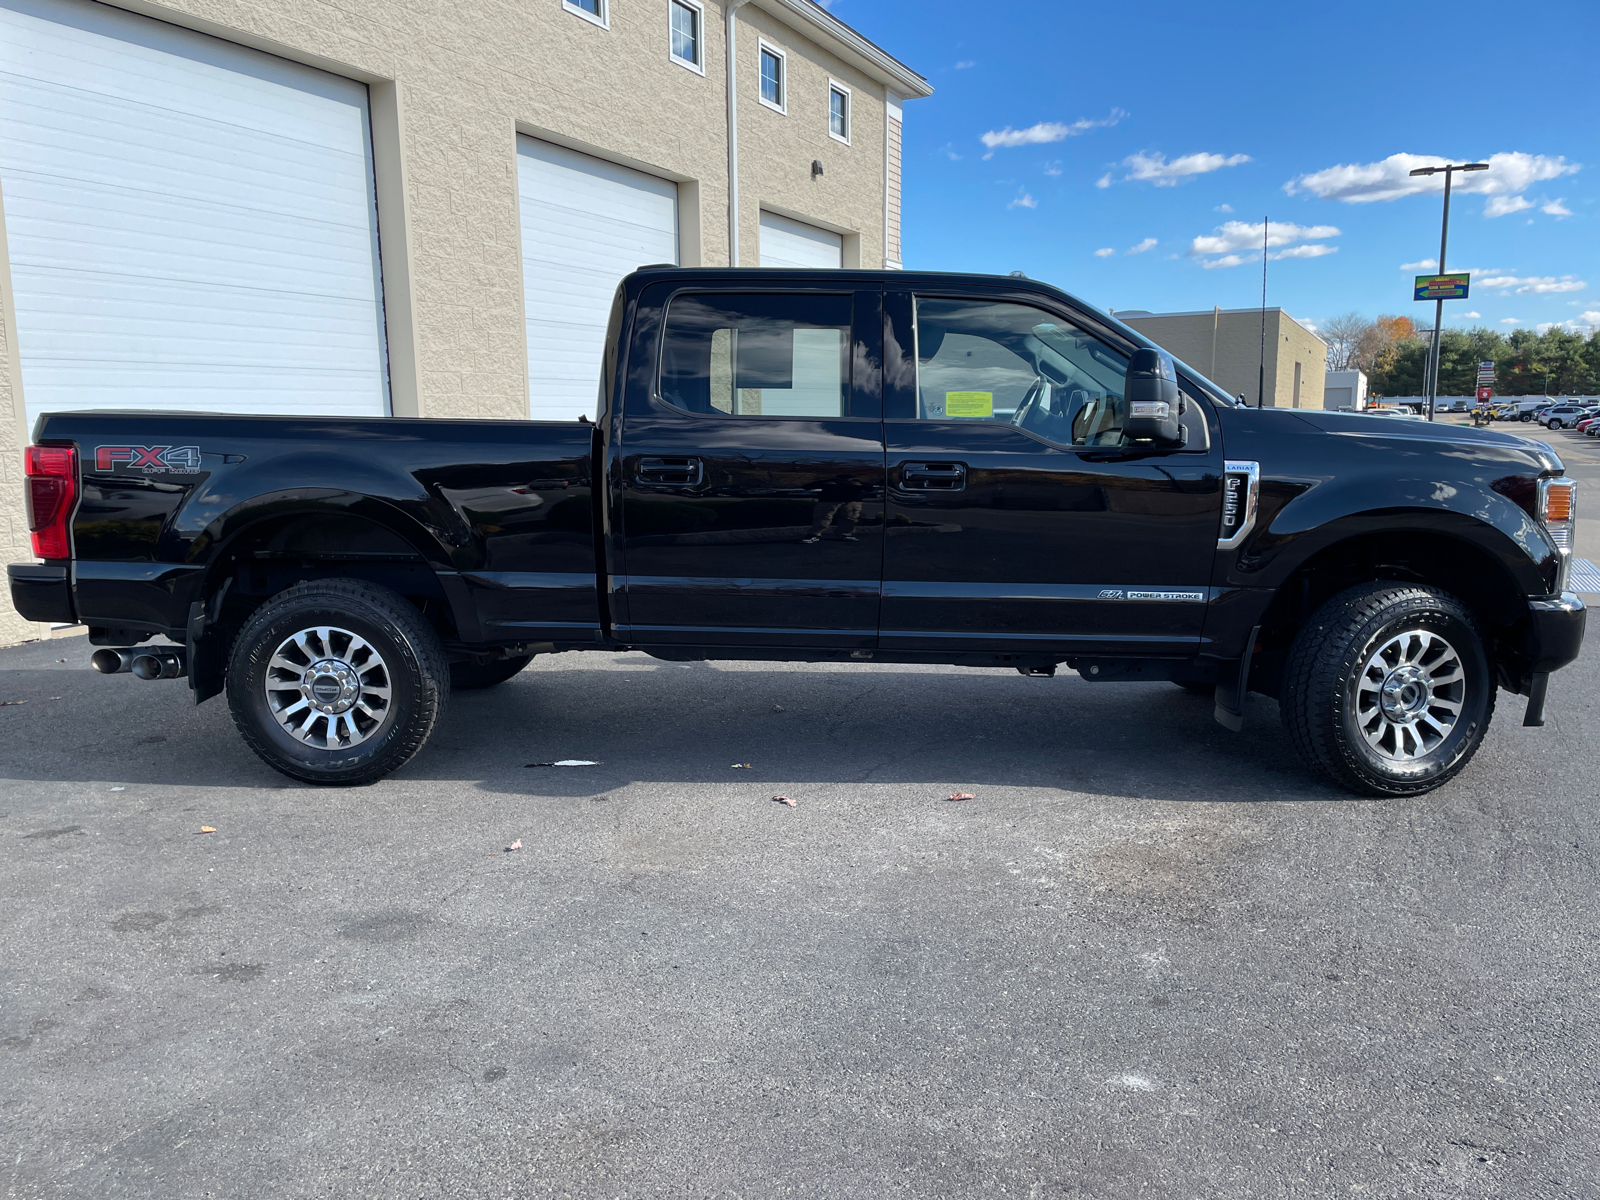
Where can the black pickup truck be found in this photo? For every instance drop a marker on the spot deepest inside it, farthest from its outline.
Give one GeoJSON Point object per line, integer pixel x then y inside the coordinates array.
{"type": "Point", "coordinates": [842, 466]}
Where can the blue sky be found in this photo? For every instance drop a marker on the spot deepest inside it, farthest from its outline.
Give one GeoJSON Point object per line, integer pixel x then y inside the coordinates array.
{"type": "Point", "coordinates": [1156, 133]}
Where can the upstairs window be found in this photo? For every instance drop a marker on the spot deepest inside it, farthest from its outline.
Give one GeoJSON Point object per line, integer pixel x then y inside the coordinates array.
{"type": "Point", "coordinates": [589, 10]}
{"type": "Point", "coordinates": [685, 20]}
{"type": "Point", "coordinates": [772, 82]}
{"type": "Point", "coordinates": [839, 112]}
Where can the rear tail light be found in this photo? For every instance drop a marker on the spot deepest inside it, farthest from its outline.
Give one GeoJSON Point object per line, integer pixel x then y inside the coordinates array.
{"type": "Point", "coordinates": [52, 475]}
{"type": "Point", "coordinates": [1558, 512]}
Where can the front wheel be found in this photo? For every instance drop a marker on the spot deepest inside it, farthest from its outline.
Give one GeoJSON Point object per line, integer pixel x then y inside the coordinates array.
{"type": "Point", "coordinates": [1526, 417]}
{"type": "Point", "coordinates": [1387, 690]}
{"type": "Point", "coordinates": [338, 681]}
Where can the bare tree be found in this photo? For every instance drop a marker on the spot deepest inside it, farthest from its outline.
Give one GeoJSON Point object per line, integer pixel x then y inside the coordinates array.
{"type": "Point", "coordinates": [1344, 335]}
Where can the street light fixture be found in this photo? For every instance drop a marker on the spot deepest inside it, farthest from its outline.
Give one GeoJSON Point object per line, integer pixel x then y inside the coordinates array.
{"type": "Point", "coordinates": [1438, 306]}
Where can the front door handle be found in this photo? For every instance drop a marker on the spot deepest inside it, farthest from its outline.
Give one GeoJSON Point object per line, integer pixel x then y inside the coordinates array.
{"type": "Point", "coordinates": [933, 476]}
{"type": "Point", "coordinates": [669, 472]}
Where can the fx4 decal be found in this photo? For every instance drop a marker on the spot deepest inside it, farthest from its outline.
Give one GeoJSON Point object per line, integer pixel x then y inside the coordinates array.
{"type": "Point", "coordinates": [172, 460]}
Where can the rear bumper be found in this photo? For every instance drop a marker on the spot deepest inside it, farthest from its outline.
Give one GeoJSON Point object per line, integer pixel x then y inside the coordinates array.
{"type": "Point", "coordinates": [1555, 633]}
{"type": "Point", "coordinates": [41, 593]}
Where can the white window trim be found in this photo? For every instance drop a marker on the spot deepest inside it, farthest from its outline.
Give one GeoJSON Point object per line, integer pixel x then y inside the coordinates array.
{"type": "Point", "coordinates": [783, 77]}
{"type": "Point", "coordinates": [699, 68]}
{"type": "Point", "coordinates": [849, 111]}
{"type": "Point", "coordinates": [603, 20]}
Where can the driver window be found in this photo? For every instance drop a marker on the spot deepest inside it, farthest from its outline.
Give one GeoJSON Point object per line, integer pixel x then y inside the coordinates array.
{"type": "Point", "coordinates": [980, 360]}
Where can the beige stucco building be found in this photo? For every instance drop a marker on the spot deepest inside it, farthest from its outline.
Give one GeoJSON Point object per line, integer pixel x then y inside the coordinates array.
{"type": "Point", "coordinates": [1226, 344]}
{"type": "Point", "coordinates": [402, 207]}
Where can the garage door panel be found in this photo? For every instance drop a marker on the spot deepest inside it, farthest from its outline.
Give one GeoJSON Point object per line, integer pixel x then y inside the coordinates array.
{"type": "Point", "coordinates": [585, 224]}
{"type": "Point", "coordinates": [790, 243]}
{"type": "Point", "coordinates": [175, 205]}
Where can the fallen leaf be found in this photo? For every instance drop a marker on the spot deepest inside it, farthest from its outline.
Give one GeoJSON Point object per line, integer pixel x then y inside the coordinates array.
{"type": "Point", "coordinates": [741, 766]}
{"type": "Point", "coordinates": [962, 796]}
{"type": "Point", "coordinates": [777, 708]}
{"type": "Point", "coordinates": [4, 703]}
{"type": "Point", "coordinates": [207, 829]}
{"type": "Point", "coordinates": [784, 800]}
{"type": "Point", "coordinates": [516, 845]}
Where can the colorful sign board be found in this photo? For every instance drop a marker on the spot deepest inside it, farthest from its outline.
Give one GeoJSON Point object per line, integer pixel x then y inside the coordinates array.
{"type": "Point", "coordinates": [1442, 287]}
{"type": "Point", "coordinates": [1485, 393]}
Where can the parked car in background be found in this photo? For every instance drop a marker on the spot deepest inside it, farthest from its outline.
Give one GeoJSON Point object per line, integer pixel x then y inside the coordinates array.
{"type": "Point", "coordinates": [1562, 416]}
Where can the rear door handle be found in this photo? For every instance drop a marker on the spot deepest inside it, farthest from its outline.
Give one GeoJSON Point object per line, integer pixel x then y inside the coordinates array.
{"type": "Point", "coordinates": [669, 472]}
{"type": "Point", "coordinates": [933, 476]}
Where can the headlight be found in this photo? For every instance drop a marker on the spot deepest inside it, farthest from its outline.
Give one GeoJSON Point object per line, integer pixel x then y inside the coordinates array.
{"type": "Point", "coordinates": [1558, 513]}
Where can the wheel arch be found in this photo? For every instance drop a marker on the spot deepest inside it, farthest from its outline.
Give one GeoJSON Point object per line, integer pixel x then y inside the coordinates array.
{"type": "Point", "coordinates": [301, 538]}
{"type": "Point", "coordinates": [1462, 566]}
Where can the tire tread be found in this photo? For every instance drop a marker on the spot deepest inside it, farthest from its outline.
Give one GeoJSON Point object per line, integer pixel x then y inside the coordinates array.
{"type": "Point", "coordinates": [419, 641]}
{"type": "Point", "coordinates": [1319, 662]}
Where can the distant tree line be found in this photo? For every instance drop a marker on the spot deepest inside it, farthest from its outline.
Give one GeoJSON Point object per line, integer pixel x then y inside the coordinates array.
{"type": "Point", "coordinates": [1394, 356]}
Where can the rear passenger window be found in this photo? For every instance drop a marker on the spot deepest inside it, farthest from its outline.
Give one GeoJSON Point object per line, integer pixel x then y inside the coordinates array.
{"type": "Point", "coordinates": [757, 355]}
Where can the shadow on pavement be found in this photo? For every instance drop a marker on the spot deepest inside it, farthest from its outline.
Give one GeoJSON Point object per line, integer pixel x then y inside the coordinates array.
{"type": "Point", "coordinates": [646, 721]}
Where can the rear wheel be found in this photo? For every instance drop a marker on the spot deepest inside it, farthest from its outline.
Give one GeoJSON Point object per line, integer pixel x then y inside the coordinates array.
{"type": "Point", "coordinates": [338, 681]}
{"type": "Point", "coordinates": [469, 676]}
{"type": "Point", "coordinates": [1387, 690]}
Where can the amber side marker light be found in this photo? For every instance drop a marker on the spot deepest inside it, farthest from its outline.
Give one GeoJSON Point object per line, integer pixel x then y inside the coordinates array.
{"type": "Point", "coordinates": [1558, 501]}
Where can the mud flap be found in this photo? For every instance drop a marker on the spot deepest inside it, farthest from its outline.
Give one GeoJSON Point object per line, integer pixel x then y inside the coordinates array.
{"type": "Point", "coordinates": [1231, 688]}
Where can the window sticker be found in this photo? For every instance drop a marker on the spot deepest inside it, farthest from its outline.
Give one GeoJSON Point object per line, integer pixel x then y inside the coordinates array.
{"type": "Point", "coordinates": [969, 404]}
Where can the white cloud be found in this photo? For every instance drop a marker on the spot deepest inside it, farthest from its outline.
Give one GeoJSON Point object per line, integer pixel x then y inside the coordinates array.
{"type": "Point", "coordinates": [1510, 321]}
{"type": "Point", "coordinates": [1147, 244]}
{"type": "Point", "coordinates": [1539, 285]}
{"type": "Point", "coordinates": [965, 64]}
{"type": "Point", "coordinates": [1104, 181]}
{"type": "Point", "coordinates": [1423, 264]}
{"type": "Point", "coordinates": [1045, 132]}
{"type": "Point", "coordinates": [1591, 317]}
{"type": "Point", "coordinates": [1024, 201]}
{"type": "Point", "coordinates": [1223, 208]}
{"type": "Point", "coordinates": [1227, 260]}
{"type": "Point", "coordinates": [1241, 235]}
{"type": "Point", "coordinates": [1154, 168]}
{"type": "Point", "coordinates": [1467, 316]}
{"type": "Point", "coordinates": [1556, 208]}
{"type": "Point", "coordinates": [1315, 250]}
{"type": "Point", "coordinates": [1579, 327]}
{"type": "Point", "coordinates": [1104, 252]}
{"type": "Point", "coordinates": [1502, 206]}
{"type": "Point", "coordinates": [1052, 168]}
{"type": "Point", "coordinates": [1390, 179]}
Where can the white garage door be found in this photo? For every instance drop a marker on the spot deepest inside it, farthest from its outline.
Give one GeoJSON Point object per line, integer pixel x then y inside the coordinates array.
{"type": "Point", "coordinates": [585, 224]}
{"type": "Point", "coordinates": [191, 224]}
{"type": "Point", "coordinates": [786, 243]}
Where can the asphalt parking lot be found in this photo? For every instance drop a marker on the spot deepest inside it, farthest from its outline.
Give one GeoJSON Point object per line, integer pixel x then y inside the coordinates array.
{"type": "Point", "coordinates": [1149, 958]}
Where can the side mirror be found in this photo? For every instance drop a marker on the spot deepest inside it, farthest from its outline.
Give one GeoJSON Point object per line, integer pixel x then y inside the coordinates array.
{"type": "Point", "coordinates": [1153, 401]}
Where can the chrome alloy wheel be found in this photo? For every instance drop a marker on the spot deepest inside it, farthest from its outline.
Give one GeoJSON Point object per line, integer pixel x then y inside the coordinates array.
{"type": "Point", "coordinates": [328, 688]}
{"type": "Point", "coordinates": [1409, 695]}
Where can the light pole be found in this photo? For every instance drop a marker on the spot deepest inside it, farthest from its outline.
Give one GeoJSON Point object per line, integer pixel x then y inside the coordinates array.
{"type": "Point", "coordinates": [1432, 383]}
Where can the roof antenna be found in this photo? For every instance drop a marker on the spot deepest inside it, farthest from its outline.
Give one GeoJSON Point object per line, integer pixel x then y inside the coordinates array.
{"type": "Point", "coordinates": [1261, 384]}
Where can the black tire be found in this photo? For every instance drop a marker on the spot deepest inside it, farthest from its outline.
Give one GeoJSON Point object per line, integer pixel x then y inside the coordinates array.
{"type": "Point", "coordinates": [1526, 417]}
{"type": "Point", "coordinates": [396, 702]}
{"type": "Point", "coordinates": [1336, 697]}
{"type": "Point", "coordinates": [468, 676]}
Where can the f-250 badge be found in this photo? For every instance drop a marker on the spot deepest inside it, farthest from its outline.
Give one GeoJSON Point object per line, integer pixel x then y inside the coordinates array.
{"type": "Point", "coordinates": [169, 460]}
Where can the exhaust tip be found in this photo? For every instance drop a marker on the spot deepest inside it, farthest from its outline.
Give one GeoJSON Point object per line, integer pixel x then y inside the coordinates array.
{"type": "Point", "coordinates": [147, 666]}
{"type": "Point", "coordinates": [108, 662]}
